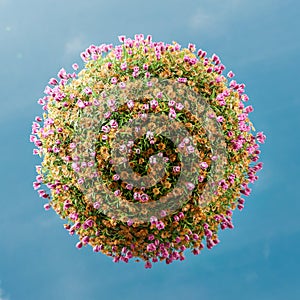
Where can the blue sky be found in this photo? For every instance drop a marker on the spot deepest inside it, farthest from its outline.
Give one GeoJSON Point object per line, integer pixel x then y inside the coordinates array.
{"type": "Point", "coordinates": [259, 259]}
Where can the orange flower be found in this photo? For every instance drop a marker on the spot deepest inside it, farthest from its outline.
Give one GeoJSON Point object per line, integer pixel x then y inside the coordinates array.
{"type": "Point", "coordinates": [156, 191]}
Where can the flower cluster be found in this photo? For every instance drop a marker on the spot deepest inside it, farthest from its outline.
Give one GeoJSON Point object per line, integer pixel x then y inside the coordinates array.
{"type": "Point", "coordinates": [70, 182]}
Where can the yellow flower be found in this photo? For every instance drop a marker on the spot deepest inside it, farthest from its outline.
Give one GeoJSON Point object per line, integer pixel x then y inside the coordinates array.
{"type": "Point", "coordinates": [161, 146]}
{"type": "Point", "coordinates": [167, 184]}
{"type": "Point", "coordinates": [156, 191]}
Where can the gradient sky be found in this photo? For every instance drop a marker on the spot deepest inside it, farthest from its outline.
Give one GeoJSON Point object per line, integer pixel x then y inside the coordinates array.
{"type": "Point", "coordinates": [259, 41]}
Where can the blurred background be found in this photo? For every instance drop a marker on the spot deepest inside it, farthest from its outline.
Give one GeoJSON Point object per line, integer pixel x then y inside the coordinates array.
{"type": "Point", "coordinates": [257, 40]}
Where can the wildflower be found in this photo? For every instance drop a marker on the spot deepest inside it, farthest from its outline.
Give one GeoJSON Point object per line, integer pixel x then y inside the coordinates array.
{"type": "Point", "coordinates": [114, 80]}
{"type": "Point", "coordinates": [261, 137]}
{"type": "Point", "coordinates": [204, 165]}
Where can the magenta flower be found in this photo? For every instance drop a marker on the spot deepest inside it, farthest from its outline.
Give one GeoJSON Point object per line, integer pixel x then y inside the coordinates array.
{"type": "Point", "coordinates": [176, 169]}
{"type": "Point", "coordinates": [151, 247]}
{"type": "Point", "coordinates": [117, 193]}
{"type": "Point", "coordinates": [148, 265]}
{"type": "Point", "coordinates": [261, 137]}
{"type": "Point", "coordinates": [230, 74]}
{"type": "Point", "coordinates": [144, 198]}
{"type": "Point", "coordinates": [172, 113]}
{"type": "Point", "coordinates": [124, 66]}
{"type": "Point", "coordinates": [85, 240]}
{"type": "Point", "coordinates": [182, 80]}
{"type": "Point", "coordinates": [53, 81]}
{"type": "Point", "coordinates": [220, 119]}
{"type": "Point", "coordinates": [121, 38]}
{"type": "Point", "coordinates": [47, 206]}
{"type": "Point", "coordinates": [223, 184]}
{"type": "Point", "coordinates": [88, 224]}
{"type": "Point", "coordinates": [160, 225]}
{"type": "Point", "coordinates": [79, 245]}
{"type": "Point", "coordinates": [153, 104]}
{"type": "Point", "coordinates": [130, 222]}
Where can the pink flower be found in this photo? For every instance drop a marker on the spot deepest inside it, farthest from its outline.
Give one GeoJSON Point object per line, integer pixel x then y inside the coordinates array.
{"type": "Point", "coordinates": [85, 240]}
{"type": "Point", "coordinates": [47, 206]}
{"type": "Point", "coordinates": [67, 205]}
{"type": "Point", "coordinates": [130, 222]}
{"type": "Point", "coordinates": [248, 109]}
{"type": "Point", "coordinates": [245, 98]}
{"type": "Point", "coordinates": [150, 237]}
{"type": "Point", "coordinates": [200, 178]}
{"type": "Point", "coordinates": [159, 95]}
{"type": "Point", "coordinates": [96, 205]}
{"type": "Point", "coordinates": [203, 165]}
{"type": "Point", "coordinates": [151, 247]}
{"type": "Point", "coordinates": [171, 103]}
{"type": "Point", "coordinates": [36, 185]}
{"type": "Point", "coordinates": [190, 149]}
{"type": "Point", "coordinates": [129, 186]}
{"type": "Point", "coordinates": [113, 124]}
{"type": "Point", "coordinates": [79, 245]}
{"type": "Point", "coordinates": [181, 215]}
{"type": "Point", "coordinates": [144, 198]}
{"type": "Point", "coordinates": [192, 47]}
{"type": "Point", "coordinates": [172, 113]}
{"type": "Point", "coordinates": [123, 66]}
{"type": "Point", "coordinates": [190, 186]}
{"type": "Point", "coordinates": [121, 38]}
{"type": "Point", "coordinates": [88, 91]}
{"type": "Point", "coordinates": [130, 104]}
{"type": "Point", "coordinates": [116, 177]}
{"type": "Point", "coordinates": [148, 265]}
{"type": "Point", "coordinates": [220, 119]}
{"type": "Point", "coordinates": [230, 74]}
{"type": "Point", "coordinates": [160, 225]}
{"type": "Point", "coordinates": [182, 80]}
{"type": "Point", "coordinates": [96, 248]}
{"type": "Point", "coordinates": [223, 184]}
{"type": "Point", "coordinates": [179, 106]}
{"type": "Point", "coordinates": [246, 191]}
{"type": "Point", "coordinates": [88, 224]}
{"type": "Point", "coordinates": [195, 237]}
{"type": "Point", "coordinates": [80, 104]}
{"type": "Point", "coordinates": [153, 104]}
{"type": "Point", "coordinates": [176, 218]}
{"type": "Point", "coordinates": [62, 74]}
{"type": "Point", "coordinates": [114, 80]}
{"type": "Point", "coordinates": [75, 66]}
{"type": "Point", "coordinates": [260, 137]}
{"type": "Point", "coordinates": [117, 193]}
{"type": "Point", "coordinates": [176, 169]}
{"type": "Point", "coordinates": [105, 129]}
{"type": "Point", "coordinates": [163, 213]}
{"type": "Point", "coordinates": [196, 251]}
{"type": "Point", "coordinates": [53, 81]}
